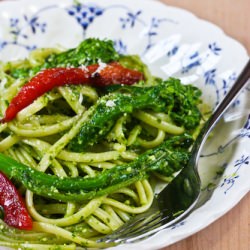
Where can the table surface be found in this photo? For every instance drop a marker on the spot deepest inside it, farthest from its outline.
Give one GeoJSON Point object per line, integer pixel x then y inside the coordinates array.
{"type": "Point", "coordinates": [232, 231]}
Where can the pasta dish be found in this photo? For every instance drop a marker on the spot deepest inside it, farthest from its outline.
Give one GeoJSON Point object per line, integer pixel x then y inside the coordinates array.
{"type": "Point", "coordinates": [86, 135]}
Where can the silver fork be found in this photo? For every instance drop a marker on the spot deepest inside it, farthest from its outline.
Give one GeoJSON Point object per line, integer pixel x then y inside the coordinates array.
{"type": "Point", "coordinates": [178, 198]}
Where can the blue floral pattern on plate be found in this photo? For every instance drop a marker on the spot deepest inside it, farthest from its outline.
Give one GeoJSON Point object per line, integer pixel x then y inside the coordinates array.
{"type": "Point", "coordinates": [229, 181]}
{"type": "Point", "coordinates": [86, 14]}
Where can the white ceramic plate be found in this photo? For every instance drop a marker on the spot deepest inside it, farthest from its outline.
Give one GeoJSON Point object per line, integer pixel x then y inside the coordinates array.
{"type": "Point", "coordinates": [172, 42]}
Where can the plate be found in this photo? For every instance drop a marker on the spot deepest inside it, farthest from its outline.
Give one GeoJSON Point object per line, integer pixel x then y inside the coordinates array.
{"type": "Point", "coordinates": [173, 42]}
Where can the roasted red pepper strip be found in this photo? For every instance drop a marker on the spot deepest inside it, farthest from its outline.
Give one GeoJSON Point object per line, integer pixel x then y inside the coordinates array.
{"type": "Point", "coordinates": [96, 75]}
{"type": "Point", "coordinates": [15, 211]}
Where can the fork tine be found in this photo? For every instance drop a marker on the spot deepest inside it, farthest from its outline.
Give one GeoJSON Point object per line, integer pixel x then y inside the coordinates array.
{"type": "Point", "coordinates": [133, 223]}
{"type": "Point", "coordinates": [140, 235]}
{"type": "Point", "coordinates": [145, 229]}
{"type": "Point", "coordinates": [154, 223]}
{"type": "Point", "coordinates": [154, 218]}
{"type": "Point", "coordinates": [132, 229]}
{"type": "Point", "coordinates": [123, 230]}
{"type": "Point", "coordinates": [129, 225]}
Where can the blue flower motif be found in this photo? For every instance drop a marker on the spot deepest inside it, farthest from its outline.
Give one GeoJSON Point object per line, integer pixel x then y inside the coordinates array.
{"type": "Point", "coordinates": [152, 31]}
{"type": "Point", "coordinates": [194, 55]}
{"type": "Point", "coordinates": [14, 25]}
{"type": "Point", "coordinates": [120, 47]}
{"type": "Point", "coordinates": [192, 61]}
{"type": "Point", "coordinates": [16, 28]}
{"type": "Point", "coordinates": [155, 22]}
{"type": "Point", "coordinates": [190, 66]}
{"type": "Point", "coordinates": [227, 83]}
{"type": "Point", "coordinates": [84, 14]}
{"type": "Point", "coordinates": [31, 47]}
{"type": "Point", "coordinates": [245, 131]}
{"type": "Point", "coordinates": [243, 160]}
{"type": "Point", "coordinates": [3, 44]}
{"type": "Point", "coordinates": [179, 224]}
{"type": "Point", "coordinates": [14, 22]}
{"type": "Point", "coordinates": [210, 76]}
{"type": "Point", "coordinates": [214, 48]}
{"type": "Point", "coordinates": [247, 125]}
{"type": "Point", "coordinates": [229, 182]}
{"type": "Point", "coordinates": [130, 20]}
{"type": "Point", "coordinates": [35, 24]}
{"type": "Point", "coordinates": [173, 51]}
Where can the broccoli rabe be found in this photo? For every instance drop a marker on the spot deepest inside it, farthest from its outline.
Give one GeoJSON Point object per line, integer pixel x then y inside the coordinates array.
{"type": "Point", "coordinates": [182, 101]}
{"type": "Point", "coordinates": [170, 96]}
{"type": "Point", "coordinates": [167, 158]}
{"type": "Point", "coordinates": [90, 51]}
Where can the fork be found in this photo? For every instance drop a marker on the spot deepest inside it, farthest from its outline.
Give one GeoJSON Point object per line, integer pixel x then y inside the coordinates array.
{"type": "Point", "coordinates": [177, 199]}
